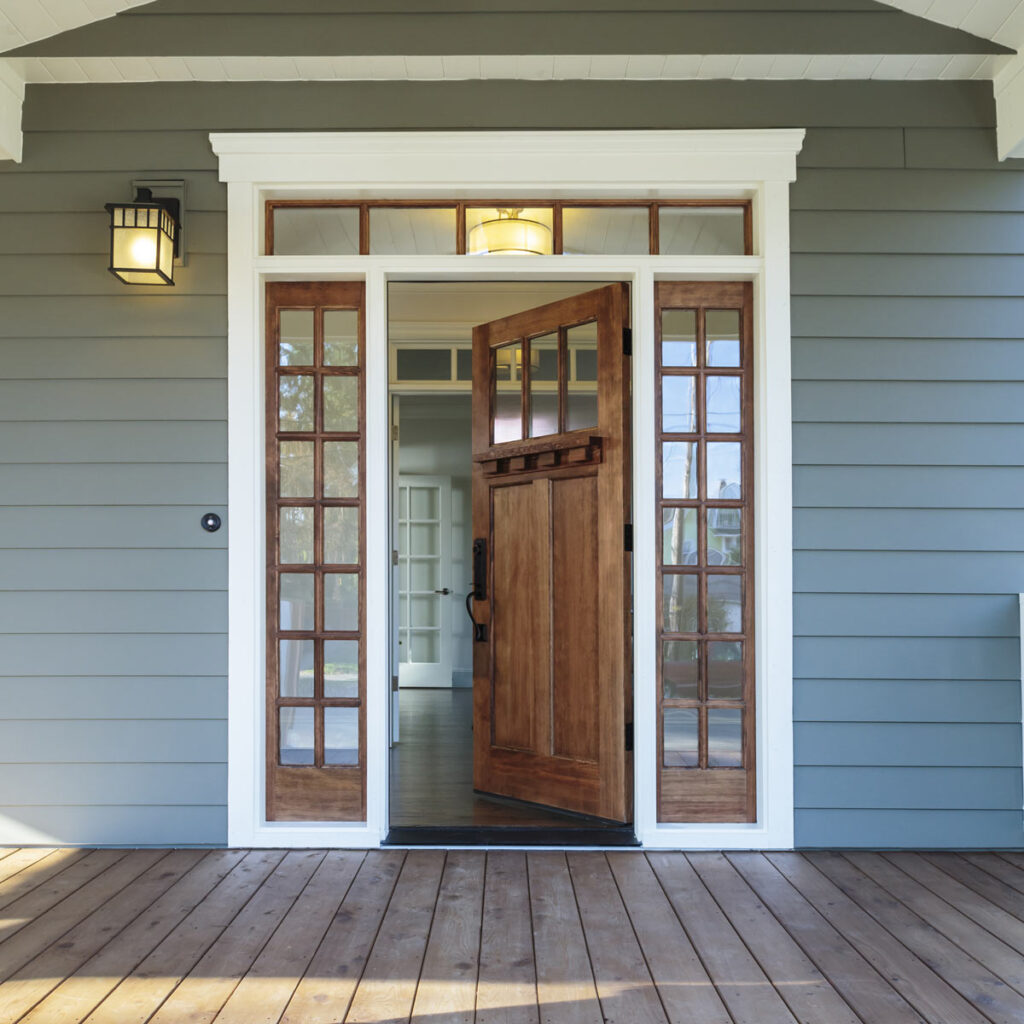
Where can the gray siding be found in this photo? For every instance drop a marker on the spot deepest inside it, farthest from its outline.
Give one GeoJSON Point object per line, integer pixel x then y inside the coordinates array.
{"type": "Point", "coordinates": [908, 369]}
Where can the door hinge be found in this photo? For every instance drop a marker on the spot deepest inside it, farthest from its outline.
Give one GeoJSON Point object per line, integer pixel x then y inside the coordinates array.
{"type": "Point", "coordinates": [627, 341]}
{"type": "Point", "coordinates": [629, 737]}
{"type": "Point", "coordinates": [627, 537]}
{"type": "Point", "coordinates": [394, 431]}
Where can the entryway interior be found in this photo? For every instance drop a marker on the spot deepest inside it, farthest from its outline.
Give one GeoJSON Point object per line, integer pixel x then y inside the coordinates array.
{"type": "Point", "coordinates": [430, 327]}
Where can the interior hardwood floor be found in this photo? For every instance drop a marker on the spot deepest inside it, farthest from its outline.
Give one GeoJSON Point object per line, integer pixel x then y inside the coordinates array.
{"type": "Point", "coordinates": [432, 769]}
{"type": "Point", "coordinates": [325, 937]}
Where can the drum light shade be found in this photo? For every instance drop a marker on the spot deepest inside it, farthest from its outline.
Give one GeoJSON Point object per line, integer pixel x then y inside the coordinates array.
{"type": "Point", "coordinates": [510, 233]}
{"type": "Point", "coordinates": [143, 237]}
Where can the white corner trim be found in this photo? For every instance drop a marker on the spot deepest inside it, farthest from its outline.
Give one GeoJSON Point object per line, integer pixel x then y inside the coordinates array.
{"type": "Point", "coordinates": [12, 100]}
{"type": "Point", "coordinates": [1008, 87]}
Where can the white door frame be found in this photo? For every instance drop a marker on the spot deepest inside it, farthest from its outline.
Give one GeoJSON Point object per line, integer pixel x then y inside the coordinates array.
{"type": "Point", "coordinates": [644, 164]}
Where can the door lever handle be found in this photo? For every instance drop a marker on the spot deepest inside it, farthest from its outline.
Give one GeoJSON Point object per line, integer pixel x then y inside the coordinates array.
{"type": "Point", "coordinates": [445, 591]}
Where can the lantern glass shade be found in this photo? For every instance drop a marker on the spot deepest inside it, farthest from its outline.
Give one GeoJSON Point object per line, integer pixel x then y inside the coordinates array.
{"type": "Point", "coordinates": [510, 231]}
{"type": "Point", "coordinates": [142, 243]}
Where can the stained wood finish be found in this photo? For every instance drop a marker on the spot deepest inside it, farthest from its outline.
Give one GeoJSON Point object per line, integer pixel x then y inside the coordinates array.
{"type": "Point", "coordinates": [337, 937]}
{"type": "Point", "coordinates": [552, 685]}
{"type": "Point", "coordinates": [318, 791]}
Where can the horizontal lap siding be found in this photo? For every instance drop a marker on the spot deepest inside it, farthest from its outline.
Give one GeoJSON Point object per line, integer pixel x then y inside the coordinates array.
{"type": "Point", "coordinates": [908, 370]}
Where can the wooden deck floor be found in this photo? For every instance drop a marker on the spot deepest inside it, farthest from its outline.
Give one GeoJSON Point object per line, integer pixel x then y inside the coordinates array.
{"type": "Point", "coordinates": [311, 937]}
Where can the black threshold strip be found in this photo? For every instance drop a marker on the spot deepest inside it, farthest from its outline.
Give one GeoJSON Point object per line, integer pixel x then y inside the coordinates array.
{"type": "Point", "coordinates": [510, 835]}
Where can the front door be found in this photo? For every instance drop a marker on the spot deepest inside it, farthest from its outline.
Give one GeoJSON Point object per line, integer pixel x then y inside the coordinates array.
{"type": "Point", "coordinates": [552, 700]}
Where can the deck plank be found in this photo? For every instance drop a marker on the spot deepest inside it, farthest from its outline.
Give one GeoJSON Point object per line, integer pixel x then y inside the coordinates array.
{"type": "Point", "coordinates": [863, 988]}
{"type": "Point", "coordinates": [141, 993]}
{"type": "Point", "coordinates": [446, 993]}
{"type": "Point", "coordinates": [15, 860]}
{"type": "Point", "coordinates": [1007, 873]}
{"type": "Point", "coordinates": [35, 873]}
{"type": "Point", "coordinates": [974, 982]}
{"type": "Point", "coordinates": [507, 982]}
{"type": "Point", "coordinates": [324, 993]}
{"type": "Point", "coordinates": [387, 988]}
{"type": "Point", "coordinates": [981, 881]}
{"type": "Point", "coordinates": [745, 989]}
{"type": "Point", "coordinates": [565, 980]}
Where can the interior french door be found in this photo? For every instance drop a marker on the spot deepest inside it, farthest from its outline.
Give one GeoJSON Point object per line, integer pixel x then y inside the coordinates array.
{"type": "Point", "coordinates": [551, 600]}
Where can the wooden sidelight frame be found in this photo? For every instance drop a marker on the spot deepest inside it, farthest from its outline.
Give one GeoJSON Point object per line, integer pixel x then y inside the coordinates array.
{"type": "Point", "coordinates": [319, 790]}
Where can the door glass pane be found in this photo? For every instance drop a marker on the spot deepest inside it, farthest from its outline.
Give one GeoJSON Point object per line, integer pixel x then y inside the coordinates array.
{"type": "Point", "coordinates": [341, 735]}
{"type": "Point", "coordinates": [679, 337]}
{"type": "Point", "coordinates": [725, 536]}
{"type": "Point", "coordinates": [296, 735]}
{"type": "Point", "coordinates": [424, 539]}
{"type": "Point", "coordinates": [425, 647]}
{"type": "Point", "coordinates": [508, 424]}
{"type": "Point", "coordinates": [512, 231]}
{"type": "Point", "coordinates": [296, 526]}
{"type": "Point", "coordinates": [679, 470]}
{"type": "Point", "coordinates": [722, 327]}
{"type": "Point", "coordinates": [725, 670]}
{"type": "Point", "coordinates": [296, 402]}
{"type": "Point", "coordinates": [723, 405]}
{"type": "Point", "coordinates": [424, 611]}
{"type": "Point", "coordinates": [412, 230]}
{"type": "Point", "coordinates": [679, 405]}
{"type": "Point", "coordinates": [725, 738]}
{"type": "Point", "coordinates": [725, 604]}
{"type": "Point", "coordinates": [296, 346]}
{"type": "Point", "coordinates": [341, 602]}
{"type": "Point", "coordinates": [341, 668]}
{"type": "Point", "coordinates": [581, 411]}
{"type": "Point", "coordinates": [296, 611]}
{"type": "Point", "coordinates": [341, 404]}
{"type": "Point", "coordinates": [423, 503]}
{"type": "Point", "coordinates": [341, 469]}
{"type": "Point", "coordinates": [682, 748]}
{"type": "Point", "coordinates": [679, 536]}
{"type": "Point", "coordinates": [617, 230]}
{"type": "Point", "coordinates": [680, 603]}
{"type": "Point", "coordinates": [680, 670]}
{"type": "Point", "coordinates": [341, 337]}
{"type": "Point", "coordinates": [341, 536]}
{"type": "Point", "coordinates": [295, 671]}
{"type": "Point", "coordinates": [424, 574]}
{"type": "Point", "coordinates": [544, 385]}
{"type": "Point", "coordinates": [701, 230]}
{"type": "Point", "coordinates": [724, 469]}
{"type": "Point", "coordinates": [296, 477]}
{"type": "Point", "coordinates": [316, 231]}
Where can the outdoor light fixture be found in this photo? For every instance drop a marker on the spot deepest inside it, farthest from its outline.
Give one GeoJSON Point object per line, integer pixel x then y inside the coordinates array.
{"type": "Point", "coordinates": [510, 233]}
{"type": "Point", "coordinates": [144, 239]}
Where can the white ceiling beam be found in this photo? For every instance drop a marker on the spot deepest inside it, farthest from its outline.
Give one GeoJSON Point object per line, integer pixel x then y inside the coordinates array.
{"type": "Point", "coordinates": [1009, 92]}
{"type": "Point", "coordinates": [12, 98]}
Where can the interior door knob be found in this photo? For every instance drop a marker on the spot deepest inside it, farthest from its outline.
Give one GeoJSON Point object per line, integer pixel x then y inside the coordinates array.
{"type": "Point", "coordinates": [446, 591]}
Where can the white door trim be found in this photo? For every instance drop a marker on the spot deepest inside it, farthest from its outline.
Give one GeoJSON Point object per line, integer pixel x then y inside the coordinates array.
{"type": "Point", "coordinates": [753, 164]}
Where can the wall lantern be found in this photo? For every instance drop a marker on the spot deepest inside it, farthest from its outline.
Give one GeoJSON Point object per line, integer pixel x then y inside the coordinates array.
{"type": "Point", "coordinates": [144, 238]}
{"type": "Point", "coordinates": [510, 233]}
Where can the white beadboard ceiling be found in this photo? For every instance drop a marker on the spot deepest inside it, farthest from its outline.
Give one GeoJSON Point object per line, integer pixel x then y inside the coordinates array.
{"type": "Point", "coordinates": [26, 21]}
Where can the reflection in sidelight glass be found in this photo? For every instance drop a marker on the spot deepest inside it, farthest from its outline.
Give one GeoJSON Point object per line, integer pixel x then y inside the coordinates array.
{"type": "Point", "coordinates": [725, 738]}
{"type": "Point", "coordinates": [296, 735]}
{"type": "Point", "coordinates": [725, 670]}
{"type": "Point", "coordinates": [724, 471]}
{"type": "Point", "coordinates": [296, 476]}
{"type": "Point", "coordinates": [725, 536]}
{"type": "Point", "coordinates": [679, 337]}
{"type": "Point", "coordinates": [680, 609]}
{"type": "Point", "coordinates": [680, 670]}
{"type": "Point", "coordinates": [296, 402]}
{"type": "Point", "coordinates": [341, 337]}
{"type": "Point", "coordinates": [725, 603]}
{"type": "Point", "coordinates": [296, 345]}
{"type": "Point", "coordinates": [723, 405]}
{"type": "Point", "coordinates": [341, 668]}
{"type": "Point", "coordinates": [341, 735]}
{"type": "Point", "coordinates": [296, 610]}
{"type": "Point", "coordinates": [341, 536]}
{"type": "Point", "coordinates": [296, 536]}
{"type": "Point", "coordinates": [341, 404]}
{"type": "Point", "coordinates": [679, 470]}
{"type": "Point", "coordinates": [341, 469]}
{"type": "Point", "coordinates": [722, 328]}
{"type": "Point", "coordinates": [295, 671]}
{"type": "Point", "coordinates": [341, 602]}
{"type": "Point", "coordinates": [678, 405]}
{"type": "Point", "coordinates": [679, 536]}
{"type": "Point", "coordinates": [682, 749]}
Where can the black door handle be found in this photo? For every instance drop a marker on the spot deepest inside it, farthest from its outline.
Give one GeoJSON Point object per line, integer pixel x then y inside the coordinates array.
{"type": "Point", "coordinates": [479, 628]}
{"type": "Point", "coordinates": [479, 591]}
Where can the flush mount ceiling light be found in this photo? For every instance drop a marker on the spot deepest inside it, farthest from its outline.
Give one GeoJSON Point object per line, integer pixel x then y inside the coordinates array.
{"type": "Point", "coordinates": [510, 233]}
{"type": "Point", "coordinates": [144, 238]}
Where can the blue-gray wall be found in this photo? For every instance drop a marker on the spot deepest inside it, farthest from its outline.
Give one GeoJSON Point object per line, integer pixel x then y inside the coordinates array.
{"type": "Point", "coordinates": [908, 271]}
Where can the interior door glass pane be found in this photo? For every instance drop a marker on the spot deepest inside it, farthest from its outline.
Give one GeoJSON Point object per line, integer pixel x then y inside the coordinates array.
{"type": "Point", "coordinates": [425, 647]}
{"type": "Point", "coordinates": [341, 404]}
{"type": "Point", "coordinates": [725, 604]}
{"type": "Point", "coordinates": [296, 345]}
{"type": "Point", "coordinates": [722, 327]}
{"type": "Point", "coordinates": [725, 670]}
{"type": "Point", "coordinates": [725, 536]}
{"type": "Point", "coordinates": [423, 503]}
{"type": "Point", "coordinates": [412, 230]}
{"type": "Point", "coordinates": [424, 574]}
{"type": "Point", "coordinates": [723, 405]}
{"type": "Point", "coordinates": [617, 230]}
{"type": "Point", "coordinates": [424, 364]}
{"type": "Point", "coordinates": [341, 536]}
{"type": "Point", "coordinates": [678, 337]}
{"type": "Point", "coordinates": [508, 410]}
{"type": "Point", "coordinates": [295, 671]}
{"type": "Point", "coordinates": [679, 470]}
{"type": "Point", "coordinates": [341, 602]}
{"type": "Point", "coordinates": [316, 231]}
{"type": "Point", "coordinates": [679, 536]}
{"type": "Point", "coordinates": [544, 385]}
{"type": "Point", "coordinates": [296, 611]}
{"type": "Point", "coordinates": [424, 611]}
{"type": "Point", "coordinates": [403, 503]}
{"type": "Point", "coordinates": [296, 533]}
{"type": "Point", "coordinates": [682, 749]}
{"type": "Point", "coordinates": [341, 337]}
{"type": "Point", "coordinates": [296, 402]}
{"type": "Point", "coordinates": [680, 670]}
{"type": "Point", "coordinates": [341, 668]}
{"type": "Point", "coordinates": [341, 735]}
{"type": "Point", "coordinates": [680, 603]}
{"type": "Point", "coordinates": [296, 735]}
{"type": "Point", "coordinates": [512, 231]}
{"type": "Point", "coordinates": [679, 405]}
{"type": "Point", "coordinates": [724, 470]}
{"type": "Point", "coordinates": [701, 230]}
{"type": "Point", "coordinates": [296, 476]}
{"type": "Point", "coordinates": [424, 539]}
{"type": "Point", "coordinates": [341, 469]}
{"type": "Point", "coordinates": [725, 738]}
{"type": "Point", "coordinates": [581, 411]}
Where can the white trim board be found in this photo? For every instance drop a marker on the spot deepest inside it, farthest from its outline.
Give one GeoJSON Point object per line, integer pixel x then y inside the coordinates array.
{"type": "Point", "coordinates": [755, 164]}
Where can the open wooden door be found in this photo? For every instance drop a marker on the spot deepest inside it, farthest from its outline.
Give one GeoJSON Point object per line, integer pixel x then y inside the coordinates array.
{"type": "Point", "coordinates": [552, 701]}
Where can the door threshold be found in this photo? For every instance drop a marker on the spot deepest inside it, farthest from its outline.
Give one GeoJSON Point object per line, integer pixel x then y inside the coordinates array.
{"type": "Point", "coordinates": [509, 835]}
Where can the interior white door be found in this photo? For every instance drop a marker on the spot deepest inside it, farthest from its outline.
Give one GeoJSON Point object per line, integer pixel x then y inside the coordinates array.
{"type": "Point", "coordinates": [425, 596]}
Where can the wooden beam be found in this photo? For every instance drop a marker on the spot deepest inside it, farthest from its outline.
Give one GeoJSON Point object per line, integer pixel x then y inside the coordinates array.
{"type": "Point", "coordinates": [12, 96]}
